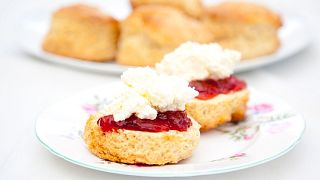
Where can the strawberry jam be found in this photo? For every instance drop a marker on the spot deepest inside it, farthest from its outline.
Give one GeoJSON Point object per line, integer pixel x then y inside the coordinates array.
{"type": "Point", "coordinates": [210, 88]}
{"type": "Point", "coordinates": [165, 121]}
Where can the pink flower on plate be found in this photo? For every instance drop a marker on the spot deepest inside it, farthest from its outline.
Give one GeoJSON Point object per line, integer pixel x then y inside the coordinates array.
{"type": "Point", "coordinates": [261, 108]}
{"type": "Point", "coordinates": [90, 109]}
{"type": "Point", "coordinates": [248, 137]}
{"type": "Point", "coordinates": [278, 127]}
{"type": "Point", "coordinates": [239, 154]}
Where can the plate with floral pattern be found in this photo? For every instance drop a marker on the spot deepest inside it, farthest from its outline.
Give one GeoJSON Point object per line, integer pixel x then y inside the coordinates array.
{"type": "Point", "coordinates": [270, 130]}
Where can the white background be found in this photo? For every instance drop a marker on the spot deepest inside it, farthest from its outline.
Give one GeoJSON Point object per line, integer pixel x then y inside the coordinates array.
{"type": "Point", "coordinates": [28, 85]}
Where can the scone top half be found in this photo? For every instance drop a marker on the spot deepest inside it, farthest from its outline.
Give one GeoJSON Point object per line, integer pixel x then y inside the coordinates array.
{"type": "Point", "coordinates": [146, 122]}
{"type": "Point", "coordinates": [208, 68]}
{"type": "Point", "coordinates": [249, 28]}
{"type": "Point", "coordinates": [84, 12]}
{"type": "Point", "coordinates": [244, 12]}
{"type": "Point", "coordinates": [193, 8]}
{"type": "Point", "coordinates": [151, 31]}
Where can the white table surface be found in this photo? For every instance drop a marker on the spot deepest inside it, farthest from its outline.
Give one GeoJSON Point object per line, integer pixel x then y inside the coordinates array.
{"type": "Point", "coordinates": [28, 85]}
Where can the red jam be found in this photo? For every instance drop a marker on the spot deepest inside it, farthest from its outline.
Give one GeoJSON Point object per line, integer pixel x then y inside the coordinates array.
{"type": "Point", "coordinates": [210, 88]}
{"type": "Point", "coordinates": [165, 121]}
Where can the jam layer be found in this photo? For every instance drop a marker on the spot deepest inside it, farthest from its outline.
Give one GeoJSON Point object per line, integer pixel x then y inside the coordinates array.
{"type": "Point", "coordinates": [165, 121]}
{"type": "Point", "coordinates": [210, 88]}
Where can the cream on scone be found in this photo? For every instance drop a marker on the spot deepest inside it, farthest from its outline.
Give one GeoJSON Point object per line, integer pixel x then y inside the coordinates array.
{"type": "Point", "coordinates": [146, 122]}
{"type": "Point", "coordinates": [208, 68]}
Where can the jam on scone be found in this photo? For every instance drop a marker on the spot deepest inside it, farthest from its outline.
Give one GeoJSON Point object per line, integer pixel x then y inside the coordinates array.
{"type": "Point", "coordinates": [165, 121]}
{"type": "Point", "coordinates": [209, 88]}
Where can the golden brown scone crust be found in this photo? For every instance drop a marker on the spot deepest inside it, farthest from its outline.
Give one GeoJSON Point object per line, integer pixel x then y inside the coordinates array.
{"type": "Point", "coordinates": [193, 8]}
{"type": "Point", "coordinates": [244, 12]}
{"type": "Point", "coordinates": [82, 32]}
{"type": "Point", "coordinates": [152, 31]}
{"type": "Point", "coordinates": [219, 110]}
{"type": "Point", "coordinates": [137, 147]}
{"type": "Point", "coordinates": [249, 28]}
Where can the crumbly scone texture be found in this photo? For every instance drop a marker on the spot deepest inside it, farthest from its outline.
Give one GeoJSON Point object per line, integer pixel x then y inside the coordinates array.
{"type": "Point", "coordinates": [193, 8]}
{"type": "Point", "coordinates": [249, 28]}
{"type": "Point", "coordinates": [137, 147]}
{"type": "Point", "coordinates": [82, 32]}
{"type": "Point", "coordinates": [151, 31]}
{"type": "Point", "coordinates": [219, 110]}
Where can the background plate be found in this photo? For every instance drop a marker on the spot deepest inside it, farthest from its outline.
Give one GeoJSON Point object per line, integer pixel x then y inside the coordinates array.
{"type": "Point", "coordinates": [293, 35]}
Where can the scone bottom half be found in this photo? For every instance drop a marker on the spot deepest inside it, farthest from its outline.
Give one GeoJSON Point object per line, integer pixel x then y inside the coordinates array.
{"type": "Point", "coordinates": [219, 101]}
{"type": "Point", "coordinates": [141, 147]}
{"type": "Point", "coordinates": [219, 110]}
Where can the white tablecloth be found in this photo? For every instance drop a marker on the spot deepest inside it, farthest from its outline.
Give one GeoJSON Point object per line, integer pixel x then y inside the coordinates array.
{"type": "Point", "coordinates": [27, 85]}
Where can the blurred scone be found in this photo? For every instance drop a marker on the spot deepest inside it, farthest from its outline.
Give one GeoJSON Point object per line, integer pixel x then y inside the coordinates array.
{"type": "Point", "coordinates": [248, 28]}
{"type": "Point", "coordinates": [135, 147]}
{"type": "Point", "coordinates": [82, 32]}
{"type": "Point", "coordinates": [152, 31]}
{"type": "Point", "coordinates": [191, 7]}
{"type": "Point", "coordinates": [219, 110]}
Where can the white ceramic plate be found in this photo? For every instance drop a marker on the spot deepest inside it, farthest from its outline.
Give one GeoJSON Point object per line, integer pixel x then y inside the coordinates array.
{"type": "Point", "coordinates": [270, 130]}
{"type": "Point", "coordinates": [294, 37]}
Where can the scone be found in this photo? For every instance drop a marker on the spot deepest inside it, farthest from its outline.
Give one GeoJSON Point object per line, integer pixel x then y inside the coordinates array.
{"type": "Point", "coordinates": [208, 68]}
{"type": "Point", "coordinates": [145, 123]}
{"type": "Point", "coordinates": [219, 109]}
{"type": "Point", "coordinates": [141, 147]}
{"type": "Point", "coordinates": [152, 31]}
{"type": "Point", "coordinates": [249, 28]}
{"type": "Point", "coordinates": [82, 32]}
{"type": "Point", "coordinates": [193, 8]}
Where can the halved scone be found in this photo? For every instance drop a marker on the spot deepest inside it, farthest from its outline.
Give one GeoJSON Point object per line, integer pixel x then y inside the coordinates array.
{"type": "Point", "coordinates": [219, 110]}
{"type": "Point", "coordinates": [138, 147]}
{"type": "Point", "coordinates": [146, 122]}
{"type": "Point", "coordinates": [208, 68]}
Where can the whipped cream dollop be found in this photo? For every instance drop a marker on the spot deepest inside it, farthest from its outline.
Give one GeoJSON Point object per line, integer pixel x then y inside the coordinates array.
{"type": "Point", "coordinates": [195, 61]}
{"type": "Point", "coordinates": [165, 93]}
{"type": "Point", "coordinates": [127, 102]}
{"type": "Point", "coordinates": [145, 93]}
